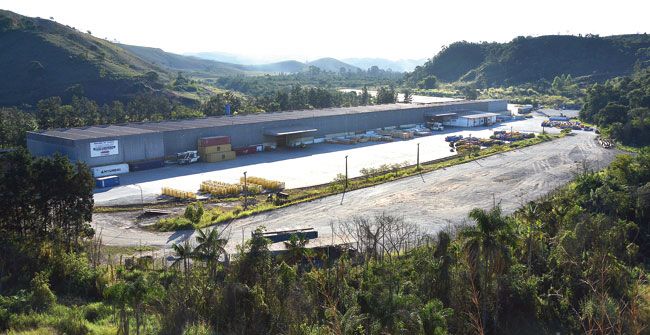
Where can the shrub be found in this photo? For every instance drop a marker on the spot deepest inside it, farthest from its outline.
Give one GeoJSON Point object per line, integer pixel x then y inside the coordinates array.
{"type": "Point", "coordinates": [169, 224]}
{"type": "Point", "coordinates": [194, 212]}
{"type": "Point", "coordinates": [72, 274]}
{"type": "Point", "coordinates": [42, 297]}
{"type": "Point", "coordinates": [198, 329]}
{"type": "Point", "coordinates": [72, 323]}
{"type": "Point", "coordinates": [4, 319]}
{"type": "Point", "coordinates": [96, 311]}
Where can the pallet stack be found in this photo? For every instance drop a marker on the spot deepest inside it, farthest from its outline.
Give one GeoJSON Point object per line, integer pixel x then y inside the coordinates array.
{"type": "Point", "coordinates": [221, 189]}
{"type": "Point", "coordinates": [172, 192]}
{"type": "Point", "coordinates": [266, 184]}
{"type": "Point", "coordinates": [215, 149]}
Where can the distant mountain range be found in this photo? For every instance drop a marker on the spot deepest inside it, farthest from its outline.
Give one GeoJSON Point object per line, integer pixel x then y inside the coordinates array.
{"type": "Point", "coordinates": [288, 66]}
{"type": "Point", "coordinates": [329, 64]}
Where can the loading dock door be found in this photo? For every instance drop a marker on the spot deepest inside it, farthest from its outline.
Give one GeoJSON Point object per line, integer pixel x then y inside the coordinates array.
{"type": "Point", "coordinates": [286, 136]}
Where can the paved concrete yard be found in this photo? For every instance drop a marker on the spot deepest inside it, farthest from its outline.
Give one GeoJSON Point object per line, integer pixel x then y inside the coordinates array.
{"type": "Point", "coordinates": [433, 201]}
{"type": "Point", "coordinates": [316, 164]}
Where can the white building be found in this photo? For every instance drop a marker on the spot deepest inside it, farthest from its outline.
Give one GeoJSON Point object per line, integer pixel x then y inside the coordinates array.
{"type": "Point", "coordinates": [468, 119]}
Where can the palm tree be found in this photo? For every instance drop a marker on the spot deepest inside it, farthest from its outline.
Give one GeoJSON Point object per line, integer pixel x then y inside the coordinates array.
{"type": "Point", "coordinates": [296, 249]}
{"type": "Point", "coordinates": [211, 247]}
{"type": "Point", "coordinates": [530, 216]}
{"type": "Point", "coordinates": [488, 247]}
{"type": "Point", "coordinates": [184, 253]}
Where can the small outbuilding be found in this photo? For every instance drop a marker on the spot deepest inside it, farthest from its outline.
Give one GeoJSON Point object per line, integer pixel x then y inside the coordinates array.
{"type": "Point", "coordinates": [472, 119]}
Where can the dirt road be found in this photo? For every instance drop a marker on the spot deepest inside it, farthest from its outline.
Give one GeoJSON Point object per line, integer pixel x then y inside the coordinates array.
{"type": "Point", "coordinates": [433, 201]}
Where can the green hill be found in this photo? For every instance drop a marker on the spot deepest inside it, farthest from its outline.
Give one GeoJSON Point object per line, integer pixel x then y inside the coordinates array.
{"type": "Point", "coordinates": [529, 59]}
{"type": "Point", "coordinates": [332, 65]}
{"type": "Point", "coordinates": [41, 58]}
{"type": "Point", "coordinates": [174, 62]}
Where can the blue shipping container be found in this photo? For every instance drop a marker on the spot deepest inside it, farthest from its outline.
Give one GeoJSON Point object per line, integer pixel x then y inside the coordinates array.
{"type": "Point", "coordinates": [108, 181]}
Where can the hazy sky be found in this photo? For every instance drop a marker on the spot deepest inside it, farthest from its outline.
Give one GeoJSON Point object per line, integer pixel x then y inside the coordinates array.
{"type": "Point", "coordinates": [301, 30]}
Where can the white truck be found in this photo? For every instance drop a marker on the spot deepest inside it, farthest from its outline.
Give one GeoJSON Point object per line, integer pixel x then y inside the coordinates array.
{"type": "Point", "coordinates": [436, 126]}
{"type": "Point", "coordinates": [187, 157]}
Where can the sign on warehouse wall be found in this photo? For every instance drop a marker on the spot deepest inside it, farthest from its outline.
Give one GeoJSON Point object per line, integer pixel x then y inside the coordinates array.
{"type": "Point", "coordinates": [103, 148]}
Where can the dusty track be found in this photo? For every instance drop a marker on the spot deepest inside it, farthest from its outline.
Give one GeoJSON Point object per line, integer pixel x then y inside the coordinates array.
{"type": "Point", "coordinates": [434, 200]}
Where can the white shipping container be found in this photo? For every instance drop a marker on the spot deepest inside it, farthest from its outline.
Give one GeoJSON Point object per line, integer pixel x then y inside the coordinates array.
{"type": "Point", "coordinates": [109, 170]}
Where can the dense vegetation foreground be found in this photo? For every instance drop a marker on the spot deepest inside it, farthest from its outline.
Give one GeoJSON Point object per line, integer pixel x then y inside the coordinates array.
{"type": "Point", "coordinates": [573, 262]}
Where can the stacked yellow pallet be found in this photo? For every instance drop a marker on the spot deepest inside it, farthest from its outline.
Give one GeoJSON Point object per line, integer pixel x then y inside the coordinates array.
{"type": "Point", "coordinates": [221, 189]}
{"type": "Point", "coordinates": [172, 192]}
{"type": "Point", "coordinates": [266, 184]}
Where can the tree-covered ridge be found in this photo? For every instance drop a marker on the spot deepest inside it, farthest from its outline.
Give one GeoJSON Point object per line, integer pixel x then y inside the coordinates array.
{"type": "Point", "coordinates": [44, 58]}
{"type": "Point", "coordinates": [621, 107]}
{"type": "Point", "coordinates": [572, 262]}
{"type": "Point", "coordinates": [529, 59]}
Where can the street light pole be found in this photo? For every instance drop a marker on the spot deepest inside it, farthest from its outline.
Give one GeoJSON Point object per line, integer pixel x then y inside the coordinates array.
{"type": "Point", "coordinates": [418, 160]}
{"type": "Point", "coordinates": [141, 197]}
{"type": "Point", "coordinates": [245, 192]}
{"type": "Point", "coordinates": [346, 172]}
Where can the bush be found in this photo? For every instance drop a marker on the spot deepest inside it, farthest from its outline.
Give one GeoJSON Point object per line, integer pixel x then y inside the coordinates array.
{"type": "Point", "coordinates": [170, 224]}
{"type": "Point", "coordinates": [198, 329]}
{"type": "Point", "coordinates": [72, 323]}
{"type": "Point", "coordinates": [42, 297]}
{"type": "Point", "coordinates": [194, 212]}
{"type": "Point", "coordinates": [96, 311]}
{"type": "Point", "coordinates": [72, 274]}
{"type": "Point", "coordinates": [4, 318]}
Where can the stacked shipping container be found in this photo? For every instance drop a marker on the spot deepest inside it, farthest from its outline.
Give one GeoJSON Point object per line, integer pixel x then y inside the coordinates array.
{"type": "Point", "coordinates": [215, 149]}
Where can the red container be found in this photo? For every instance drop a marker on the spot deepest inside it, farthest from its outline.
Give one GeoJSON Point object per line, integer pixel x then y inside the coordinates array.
{"type": "Point", "coordinates": [215, 140]}
{"type": "Point", "coordinates": [246, 150]}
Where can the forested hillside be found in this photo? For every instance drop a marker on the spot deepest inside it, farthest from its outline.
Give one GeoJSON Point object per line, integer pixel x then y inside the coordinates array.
{"type": "Point", "coordinates": [530, 59]}
{"type": "Point", "coordinates": [573, 262]}
{"type": "Point", "coordinates": [621, 107]}
{"type": "Point", "coordinates": [41, 58]}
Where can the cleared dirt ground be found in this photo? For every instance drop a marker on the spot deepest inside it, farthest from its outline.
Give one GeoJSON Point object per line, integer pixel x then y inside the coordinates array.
{"type": "Point", "coordinates": [436, 200]}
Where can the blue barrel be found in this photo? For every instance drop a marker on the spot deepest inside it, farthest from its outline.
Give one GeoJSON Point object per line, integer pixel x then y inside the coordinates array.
{"type": "Point", "coordinates": [109, 181]}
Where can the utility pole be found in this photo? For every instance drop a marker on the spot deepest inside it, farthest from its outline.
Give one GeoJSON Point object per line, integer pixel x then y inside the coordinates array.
{"type": "Point", "coordinates": [245, 192]}
{"type": "Point", "coordinates": [418, 160]}
{"type": "Point", "coordinates": [346, 172]}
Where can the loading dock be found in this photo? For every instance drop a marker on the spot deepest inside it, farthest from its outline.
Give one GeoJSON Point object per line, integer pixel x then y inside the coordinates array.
{"type": "Point", "coordinates": [291, 136]}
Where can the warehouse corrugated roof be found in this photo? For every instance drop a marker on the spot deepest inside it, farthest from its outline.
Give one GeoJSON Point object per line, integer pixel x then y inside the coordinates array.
{"type": "Point", "coordinates": [216, 121]}
{"type": "Point", "coordinates": [94, 132]}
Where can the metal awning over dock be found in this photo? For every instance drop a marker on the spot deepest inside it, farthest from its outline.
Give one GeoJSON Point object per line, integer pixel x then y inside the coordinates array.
{"type": "Point", "coordinates": [289, 131]}
{"type": "Point", "coordinates": [439, 114]}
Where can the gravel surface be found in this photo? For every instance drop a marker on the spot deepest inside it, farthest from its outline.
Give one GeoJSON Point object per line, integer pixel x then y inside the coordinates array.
{"type": "Point", "coordinates": [435, 200]}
